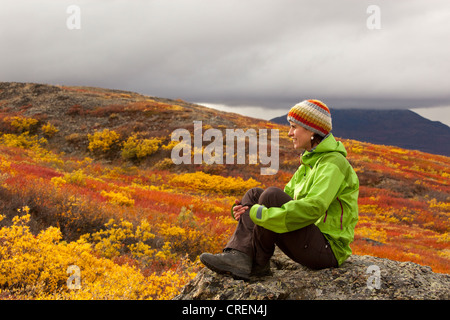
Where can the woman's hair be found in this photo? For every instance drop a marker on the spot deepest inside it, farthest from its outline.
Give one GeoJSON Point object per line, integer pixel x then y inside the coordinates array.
{"type": "Point", "coordinates": [316, 139]}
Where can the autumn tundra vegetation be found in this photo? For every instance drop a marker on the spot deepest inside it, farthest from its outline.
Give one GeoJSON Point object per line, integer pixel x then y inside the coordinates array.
{"type": "Point", "coordinates": [87, 180]}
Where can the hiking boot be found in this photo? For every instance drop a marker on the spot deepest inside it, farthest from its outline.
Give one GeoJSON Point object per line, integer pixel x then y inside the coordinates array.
{"type": "Point", "coordinates": [231, 262]}
{"type": "Point", "coordinates": [261, 271]}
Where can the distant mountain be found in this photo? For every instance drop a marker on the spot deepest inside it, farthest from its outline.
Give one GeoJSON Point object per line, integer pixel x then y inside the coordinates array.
{"type": "Point", "coordinates": [401, 128]}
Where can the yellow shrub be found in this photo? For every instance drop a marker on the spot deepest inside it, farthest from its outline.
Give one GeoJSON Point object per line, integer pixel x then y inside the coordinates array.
{"type": "Point", "coordinates": [372, 233]}
{"type": "Point", "coordinates": [191, 238]}
{"type": "Point", "coordinates": [200, 181]}
{"type": "Point", "coordinates": [58, 181]}
{"type": "Point", "coordinates": [170, 145]}
{"type": "Point", "coordinates": [164, 164]}
{"type": "Point", "coordinates": [135, 148]}
{"type": "Point", "coordinates": [77, 177]}
{"type": "Point", "coordinates": [37, 268]}
{"type": "Point", "coordinates": [122, 237]}
{"type": "Point", "coordinates": [49, 130]}
{"type": "Point", "coordinates": [23, 140]}
{"type": "Point", "coordinates": [433, 203]}
{"type": "Point", "coordinates": [21, 124]}
{"type": "Point", "coordinates": [118, 198]}
{"type": "Point", "coordinates": [103, 140]}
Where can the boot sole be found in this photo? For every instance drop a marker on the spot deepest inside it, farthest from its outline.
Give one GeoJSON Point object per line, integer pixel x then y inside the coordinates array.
{"type": "Point", "coordinates": [226, 270]}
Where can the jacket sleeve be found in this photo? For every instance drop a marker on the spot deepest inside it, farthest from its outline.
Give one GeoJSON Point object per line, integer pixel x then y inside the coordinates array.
{"type": "Point", "coordinates": [290, 186]}
{"type": "Point", "coordinates": [302, 212]}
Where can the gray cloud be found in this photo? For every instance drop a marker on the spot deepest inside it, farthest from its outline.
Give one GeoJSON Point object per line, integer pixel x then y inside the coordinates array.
{"type": "Point", "coordinates": [269, 53]}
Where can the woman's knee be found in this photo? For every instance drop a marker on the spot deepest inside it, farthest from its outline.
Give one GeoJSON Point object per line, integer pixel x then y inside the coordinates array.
{"type": "Point", "coordinates": [273, 197]}
{"type": "Point", "coordinates": [252, 196]}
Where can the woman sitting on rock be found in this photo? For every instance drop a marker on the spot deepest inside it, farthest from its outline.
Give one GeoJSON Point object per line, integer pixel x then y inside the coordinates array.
{"type": "Point", "coordinates": [312, 221]}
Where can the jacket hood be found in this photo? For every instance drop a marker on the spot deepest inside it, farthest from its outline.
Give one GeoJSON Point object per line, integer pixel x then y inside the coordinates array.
{"type": "Point", "coordinates": [328, 144]}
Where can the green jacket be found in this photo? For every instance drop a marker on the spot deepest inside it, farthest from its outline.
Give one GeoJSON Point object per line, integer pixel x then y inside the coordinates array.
{"type": "Point", "coordinates": [325, 191]}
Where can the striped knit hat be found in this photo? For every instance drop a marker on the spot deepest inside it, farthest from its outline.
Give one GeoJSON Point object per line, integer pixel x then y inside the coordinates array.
{"type": "Point", "coordinates": [312, 115]}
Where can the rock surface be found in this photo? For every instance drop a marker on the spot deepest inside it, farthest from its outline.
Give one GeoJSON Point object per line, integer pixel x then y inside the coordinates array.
{"type": "Point", "coordinates": [360, 277]}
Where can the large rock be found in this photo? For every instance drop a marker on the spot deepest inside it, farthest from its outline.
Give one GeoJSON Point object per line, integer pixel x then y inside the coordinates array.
{"type": "Point", "coordinates": [360, 277]}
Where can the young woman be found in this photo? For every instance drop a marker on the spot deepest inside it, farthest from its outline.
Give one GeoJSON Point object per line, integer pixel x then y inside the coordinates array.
{"type": "Point", "coordinates": [312, 220]}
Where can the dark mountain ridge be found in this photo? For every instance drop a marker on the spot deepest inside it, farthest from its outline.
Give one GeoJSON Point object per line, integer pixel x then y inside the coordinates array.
{"type": "Point", "coordinates": [401, 128]}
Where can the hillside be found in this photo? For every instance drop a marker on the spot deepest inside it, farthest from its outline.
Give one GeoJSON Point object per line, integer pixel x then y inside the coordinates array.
{"type": "Point", "coordinates": [401, 128]}
{"type": "Point", "coordinates": [87, 179]}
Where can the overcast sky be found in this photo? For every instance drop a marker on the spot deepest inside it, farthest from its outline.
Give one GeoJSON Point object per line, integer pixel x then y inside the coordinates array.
{"type": "Point", "coordinates": [265, 53]}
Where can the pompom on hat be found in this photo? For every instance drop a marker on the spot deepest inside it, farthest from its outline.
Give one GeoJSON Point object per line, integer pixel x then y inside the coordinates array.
{"type": "Point", "coordinates": [312, 115]}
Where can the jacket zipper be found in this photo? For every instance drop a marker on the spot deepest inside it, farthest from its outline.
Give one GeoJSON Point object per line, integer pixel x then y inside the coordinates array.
{"type": "Point", "coordinates": [342, 212]}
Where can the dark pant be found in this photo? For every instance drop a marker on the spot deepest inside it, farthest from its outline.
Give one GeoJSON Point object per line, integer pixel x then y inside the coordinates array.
{"type": "Point", "coordinates": [307, 245]}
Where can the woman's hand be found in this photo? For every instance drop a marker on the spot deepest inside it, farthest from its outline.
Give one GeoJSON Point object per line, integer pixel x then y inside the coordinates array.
{"type": "Point", "coordinates": [238, 209]}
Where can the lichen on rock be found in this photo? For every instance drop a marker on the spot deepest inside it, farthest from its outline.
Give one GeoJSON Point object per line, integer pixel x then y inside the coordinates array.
{"type": "Point", "coordinates": [359, 278]}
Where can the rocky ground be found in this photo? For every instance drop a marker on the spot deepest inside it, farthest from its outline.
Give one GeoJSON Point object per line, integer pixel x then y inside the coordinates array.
{"type": "Point", "coordinates": [359, 278]}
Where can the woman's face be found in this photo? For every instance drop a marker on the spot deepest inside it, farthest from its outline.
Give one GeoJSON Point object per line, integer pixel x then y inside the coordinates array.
{"type": "Point", "coordinates": [300, 136]}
